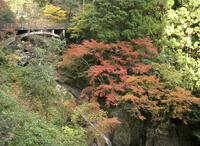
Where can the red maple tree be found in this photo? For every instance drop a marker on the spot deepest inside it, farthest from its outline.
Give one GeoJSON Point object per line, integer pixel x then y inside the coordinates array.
{"type": "Point", "coordinates": [120, 73]}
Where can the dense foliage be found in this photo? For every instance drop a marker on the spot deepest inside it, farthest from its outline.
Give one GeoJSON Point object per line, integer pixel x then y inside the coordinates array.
{"type": "Point", "coordinates": [118, 69]}
{"type": "Point", "coordinates": [19, 126]}
{"type": "Point", "coordinates": [120, 73]}
{"type": "Point", "coordinates": [109, 21]}
{"type": "Point", "coordinates": [38, 107]}
{"type": "Point", "coordinates": [181, 36]}
{"type": "Point", "coordinates": [6, 15]}
{"type": "Point", "coordinates": [31, 108]}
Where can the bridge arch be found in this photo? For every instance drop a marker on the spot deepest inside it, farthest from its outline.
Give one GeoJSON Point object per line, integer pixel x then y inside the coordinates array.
{"type": "Point", "coordinates": [39, 29]}
{"type": "Point", "coordinates": [38, 32]}
{"type": "Point", "coordinates": [12, 39]}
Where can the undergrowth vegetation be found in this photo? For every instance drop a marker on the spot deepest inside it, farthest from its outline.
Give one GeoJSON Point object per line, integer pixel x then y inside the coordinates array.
{"type": "Point", "coordinates": [31, 108]}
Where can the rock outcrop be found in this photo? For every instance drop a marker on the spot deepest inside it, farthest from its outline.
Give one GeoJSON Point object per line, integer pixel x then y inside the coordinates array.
{"type": "Point", "coordinates": [134, 132]}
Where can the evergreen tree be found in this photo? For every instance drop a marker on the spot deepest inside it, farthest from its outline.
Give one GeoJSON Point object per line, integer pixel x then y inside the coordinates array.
{"type": "Point", "coordinates": [109, 21]}
{"type": "Point", "coordinates": [6, 15]}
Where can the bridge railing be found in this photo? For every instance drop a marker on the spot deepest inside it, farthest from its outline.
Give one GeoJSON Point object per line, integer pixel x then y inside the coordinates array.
{"type": "Point", "coordinates": [4, 26]}
{"type": "Point", "coordinates": [33, 25]}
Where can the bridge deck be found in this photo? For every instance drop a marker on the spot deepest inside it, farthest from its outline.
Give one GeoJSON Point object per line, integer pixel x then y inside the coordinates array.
{"type": "Point", "coordinates": [33, 26]}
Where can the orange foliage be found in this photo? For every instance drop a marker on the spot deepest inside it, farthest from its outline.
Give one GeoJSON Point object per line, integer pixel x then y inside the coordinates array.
{"type": "Point", "coordinates": [3, 4]}
{"type": "Point", "coordinates": [17, 20]}
{"type": "Point", "coordinates": [121, 77]}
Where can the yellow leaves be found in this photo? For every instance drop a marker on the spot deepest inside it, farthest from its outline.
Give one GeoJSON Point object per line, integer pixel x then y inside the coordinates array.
{"type": "Point", "coordinates": [81, 17]}
{"type": "Point", "coordinates": [54, 14]}
{"type": "Point", "coordinates": [12, 59]}
{"type": "Point", "coordinates": [66, 103]}
{"type": "Point", "coordinates": [41, 20]}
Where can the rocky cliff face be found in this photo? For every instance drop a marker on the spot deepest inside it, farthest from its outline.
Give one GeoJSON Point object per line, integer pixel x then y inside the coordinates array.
{"type": "Point", "coordinates": [134, 132]}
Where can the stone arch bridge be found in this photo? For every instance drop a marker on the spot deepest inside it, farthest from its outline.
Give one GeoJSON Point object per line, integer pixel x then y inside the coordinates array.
{"type": "Point", "coordinates": [21, 30]}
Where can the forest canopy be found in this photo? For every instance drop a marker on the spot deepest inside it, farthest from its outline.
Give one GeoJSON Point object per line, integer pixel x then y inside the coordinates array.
{"type": "Point", "coordinates": [119, 61]}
